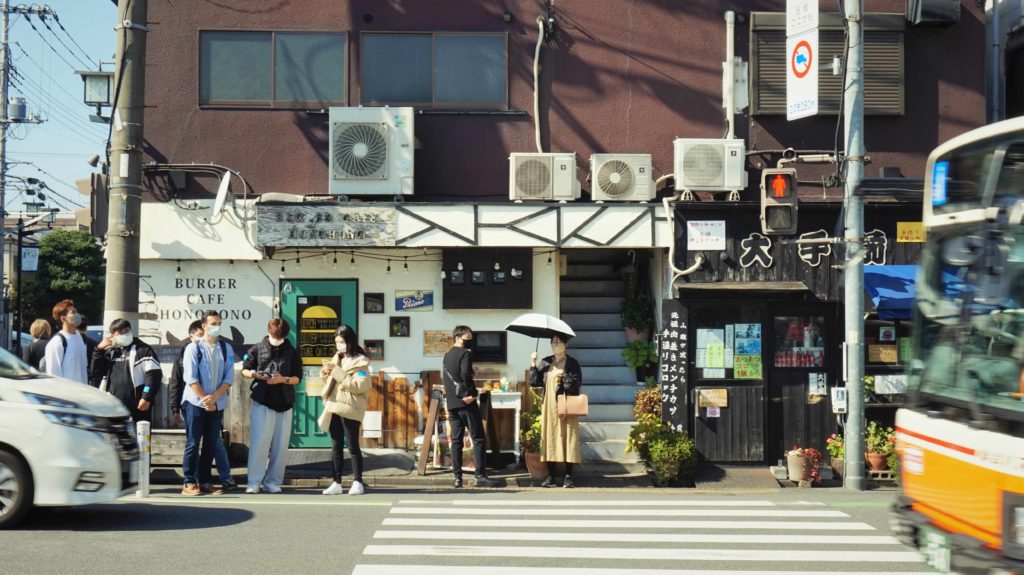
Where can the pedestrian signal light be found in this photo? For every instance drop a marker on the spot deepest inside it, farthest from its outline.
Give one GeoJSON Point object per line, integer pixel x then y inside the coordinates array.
{"type": "Point", "coordinates": [778, 201]}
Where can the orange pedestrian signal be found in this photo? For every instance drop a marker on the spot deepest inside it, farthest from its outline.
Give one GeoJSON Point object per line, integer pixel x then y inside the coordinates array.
{"type": "Point", "coordinates": [778, 201]}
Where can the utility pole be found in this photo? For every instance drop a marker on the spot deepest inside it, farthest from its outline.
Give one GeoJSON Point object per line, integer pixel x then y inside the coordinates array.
{"type": "Point", "coordinates": [122, 285]}
{"type": "Point", "coordinates": [3, 165]}
{"type": "Point", "coordinates": [853, 272]}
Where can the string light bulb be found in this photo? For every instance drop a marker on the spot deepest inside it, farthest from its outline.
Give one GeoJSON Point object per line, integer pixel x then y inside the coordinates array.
{"type": "Point", "coordinates": [405, 265]}
{"type": "Point", "coordinates": [334, 264]}
{"type": "Point", "coordinates": [177, 273]}
{"type": "Point", "coordinates": [282, 269]}
{"type": "Point", "coordinates": [460, 266]}
{"type": "Point", "coordinates": [443, 274]}
{"type": "Point", "coordinates": [388, 272]}
{"type": "Point", "coordinates": [549, 260]}
{"type": "Point", "coordinates": [352, 261]}
{"type": "Point", "coordinates": [298, 263]}
{"type": "Point", "coordinates": [497, 266]}
{"type": "Point", "coordinates": [231, 266]}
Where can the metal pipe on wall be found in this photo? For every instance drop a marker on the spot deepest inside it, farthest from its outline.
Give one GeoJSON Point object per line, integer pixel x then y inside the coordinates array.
{"type": "Point", "coordinates": [729, 87]}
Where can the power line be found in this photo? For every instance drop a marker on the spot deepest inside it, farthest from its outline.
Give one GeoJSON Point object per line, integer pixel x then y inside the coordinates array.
{"type": "Point", "coordinates": [37, 65]}
{"type": "Point", "coordinates": [67, 112]}
{"type": "Point", "coordinates": [72, 38]}
{"type": "Point", "coordinates": [45, 41]}
{"type": "Point", "coordinates": [62, 43]}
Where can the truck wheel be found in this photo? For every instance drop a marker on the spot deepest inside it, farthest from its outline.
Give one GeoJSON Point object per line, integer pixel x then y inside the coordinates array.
{"type": "Point", "coordinates": [15, 490]}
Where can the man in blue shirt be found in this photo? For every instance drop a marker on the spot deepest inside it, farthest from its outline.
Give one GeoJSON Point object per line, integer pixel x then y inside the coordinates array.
{"type": "Point", "coordinates": [208, 373]}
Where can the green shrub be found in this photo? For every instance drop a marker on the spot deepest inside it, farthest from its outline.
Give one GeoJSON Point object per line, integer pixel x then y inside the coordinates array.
{"type": "Point", "coordinates": [673, 457]}
{"type": "Point", "coordinates": [647, 402]}
{"type": "Point", "coordinates": [637, 313]}
{"type": "Point", "coordinates": [641, 354]}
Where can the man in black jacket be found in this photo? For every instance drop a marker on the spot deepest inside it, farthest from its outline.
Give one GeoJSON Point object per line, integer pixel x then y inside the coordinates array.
{"type": "Point", "coordinates": [463, 409]}
{"type": "Point", "coordinates": [127, 368]}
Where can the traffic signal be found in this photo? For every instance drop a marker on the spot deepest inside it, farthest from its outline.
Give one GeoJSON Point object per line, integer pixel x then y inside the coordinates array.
{"type": "Point", "coordinates": [778, 201]}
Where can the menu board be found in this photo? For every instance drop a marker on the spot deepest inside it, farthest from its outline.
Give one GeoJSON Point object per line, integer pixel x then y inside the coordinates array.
{"type": "Point", "coordinates": [673, 351]}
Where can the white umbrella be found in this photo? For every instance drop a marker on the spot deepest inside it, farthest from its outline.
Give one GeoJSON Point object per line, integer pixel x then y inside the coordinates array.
{"type": "Point", "coordinates": [540, 325]}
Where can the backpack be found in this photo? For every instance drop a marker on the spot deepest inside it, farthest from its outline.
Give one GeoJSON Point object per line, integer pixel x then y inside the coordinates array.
{"type": "Point", "coordinates": [64, 350]}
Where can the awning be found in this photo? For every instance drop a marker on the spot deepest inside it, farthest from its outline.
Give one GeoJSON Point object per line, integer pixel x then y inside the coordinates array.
{"type": "Point", "coordinates": [891, 289]}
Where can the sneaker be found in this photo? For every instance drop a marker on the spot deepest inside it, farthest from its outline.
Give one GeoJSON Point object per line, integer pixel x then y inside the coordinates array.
{"type": "Point", "coordinates": [272, 488]}
{"type": "Point", "coordinates": [568, 484]}
{"type": "Point", "coordinates": [211, 489]}
{"type": "Point", "coordinates": [334, 489]}
{"type": "Point", "coordinates": [252, 490]}
{"type": "Point", "coordinates": [356, 488]}
{"type": "Point", "coordinates": [484, 481]}
{"type": "Point", "coordinates": [549, 482]}
{"type": "Point", "coordinates": [457, 484]}
{"type": "Point", "coordinates": [228, 485]}
{"type": "Point", "coordinates": [191, 489]}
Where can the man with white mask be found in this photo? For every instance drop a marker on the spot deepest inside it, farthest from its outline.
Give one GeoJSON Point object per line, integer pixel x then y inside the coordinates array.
{"type": "Point", "coordinates": [65, 354]}
{"type": "Point", "coordinates": [127, 368]}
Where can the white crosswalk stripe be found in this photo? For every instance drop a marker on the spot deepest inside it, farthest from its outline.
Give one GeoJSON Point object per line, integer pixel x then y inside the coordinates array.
{"type": "Point", "coordinates": [502, 536]}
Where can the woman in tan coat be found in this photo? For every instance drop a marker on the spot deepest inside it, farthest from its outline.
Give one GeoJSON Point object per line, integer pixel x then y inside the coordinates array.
{"type": "Point", "coordinates": [558, 374]}
{"type": "Point", "coordinates": [346, 392]}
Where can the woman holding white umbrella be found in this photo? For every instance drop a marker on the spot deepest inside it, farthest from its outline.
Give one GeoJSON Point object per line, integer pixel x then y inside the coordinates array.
{"type": "Point", "coordinates": [558, 374]}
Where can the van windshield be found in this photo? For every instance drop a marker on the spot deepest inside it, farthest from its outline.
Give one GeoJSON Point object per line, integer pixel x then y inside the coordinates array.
{"type": "Point", "coordinates": [13, 368]}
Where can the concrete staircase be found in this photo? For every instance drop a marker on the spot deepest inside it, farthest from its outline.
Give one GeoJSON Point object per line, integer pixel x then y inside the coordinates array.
{"type": "Point", "coordinates": [592, 292]}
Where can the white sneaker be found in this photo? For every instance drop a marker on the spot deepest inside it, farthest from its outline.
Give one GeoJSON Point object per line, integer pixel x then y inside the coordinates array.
{"type": "Point", "coordinates": [357, 488]}
{"type": "Point", "coordinates": [252, 490]}
{"type": "Point", "coordinates": [334, 489]}
{"type": "Point", "coordinates": [272, 488]}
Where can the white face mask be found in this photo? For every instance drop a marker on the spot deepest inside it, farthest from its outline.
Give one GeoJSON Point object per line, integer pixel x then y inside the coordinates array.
{"type": "Point", "coordinates": [274, 341]}
{"type": "Point", "coordinates": [342, 348]}
{"type": "Point", "coordinates": [212, 330]}
{"type": "Point", "coordinates": [75, 319]}
{"type": "Point", "coordinates": [123, 339]}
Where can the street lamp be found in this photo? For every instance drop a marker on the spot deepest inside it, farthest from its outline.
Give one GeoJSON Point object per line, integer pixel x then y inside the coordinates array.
{"type": "Point", "coordinates": [98, 88]}
{"type": "Point", "coordinates": [49, 216]}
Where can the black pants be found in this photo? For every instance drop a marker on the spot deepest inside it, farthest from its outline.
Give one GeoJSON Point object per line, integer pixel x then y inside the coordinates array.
{"type": "Point", "coordinates": [460, 419]}
{"type": "Point", "coordinates": [346, 431]}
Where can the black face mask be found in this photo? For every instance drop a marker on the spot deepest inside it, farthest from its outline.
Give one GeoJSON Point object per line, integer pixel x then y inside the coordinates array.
{"type": "Point", "coordinates": [469, 343]}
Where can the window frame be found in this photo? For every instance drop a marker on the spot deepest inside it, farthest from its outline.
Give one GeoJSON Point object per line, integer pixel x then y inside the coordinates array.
{"type": "Point", "coordinates": [273, 103]}
{"type": "Point", "coordinates": [433, 104]}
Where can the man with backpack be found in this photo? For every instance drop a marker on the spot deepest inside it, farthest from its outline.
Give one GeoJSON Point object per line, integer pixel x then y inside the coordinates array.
{"type": "Point", "coordinates": [208, 372]}
{"type": "Point", "coordinates": [65, 354]}
{"type": "Point", "coordinates": [127, 368]}
{"type": "Point", "coordinates": [175, 392]}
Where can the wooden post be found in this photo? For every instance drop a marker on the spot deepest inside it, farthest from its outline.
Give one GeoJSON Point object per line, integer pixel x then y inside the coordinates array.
{"type": "Point", "coordinates": [428, 430]}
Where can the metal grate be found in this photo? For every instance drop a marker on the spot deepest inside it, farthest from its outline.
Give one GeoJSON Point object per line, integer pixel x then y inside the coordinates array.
{"type": "Point", "coordinates": [703, 164]}
{"type": "Point", "coordinates": [360, 151]}
{"type": "Point", "coordinates": [533, 177]}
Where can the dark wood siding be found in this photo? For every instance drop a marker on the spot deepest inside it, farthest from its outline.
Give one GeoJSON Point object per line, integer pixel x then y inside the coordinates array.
{"type": "Point", "coordinates": [738, 434]}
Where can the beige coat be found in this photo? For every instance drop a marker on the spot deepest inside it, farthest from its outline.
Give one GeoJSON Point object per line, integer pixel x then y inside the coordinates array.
{"type": "Point", "coordinates": [346, 390]}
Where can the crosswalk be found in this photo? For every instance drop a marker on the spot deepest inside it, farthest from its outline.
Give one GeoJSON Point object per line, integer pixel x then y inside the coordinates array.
{"type": "Point", "coordinates": [681, 536]}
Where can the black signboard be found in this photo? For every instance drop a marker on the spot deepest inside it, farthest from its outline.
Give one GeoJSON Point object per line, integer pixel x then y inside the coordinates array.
{"type": "Point", "coordinates": [673, 350]}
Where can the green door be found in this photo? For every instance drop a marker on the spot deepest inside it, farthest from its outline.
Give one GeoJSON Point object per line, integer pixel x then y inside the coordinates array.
{"type": "Point", "coordinates": [314, 309]}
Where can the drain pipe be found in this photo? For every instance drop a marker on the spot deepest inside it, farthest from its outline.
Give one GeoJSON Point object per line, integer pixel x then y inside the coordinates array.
{"type": "Point", "coordinates": [728, 89]}
{"type": "Point", "coordinates": [676, 272]}
{"type": "Point", "coordinates": [536, 83]}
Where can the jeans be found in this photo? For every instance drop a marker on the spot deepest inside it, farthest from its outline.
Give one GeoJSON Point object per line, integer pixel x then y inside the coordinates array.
{"type": "Point", "coordinates": [220, 456]}
{"type": "Point", "coordinates": [460, 419]}
{"type": "Point", "coordinates": [200, 426]}
{"type": "Point", "coordinates": [269, 433]}
{"type": "Point", "coordinates": [350, 429]}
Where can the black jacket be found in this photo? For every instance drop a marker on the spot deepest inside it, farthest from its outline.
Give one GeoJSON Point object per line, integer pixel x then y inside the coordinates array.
{"type": "Point", "coordinates": [457, 375]}
{"type": "Point", "coordinates": [175, 385]}
{"type": "Point", "coordinates": [572, 379]}
{"type": "Point", "coordinates": [34, 353]}
{"type": "Point", "coordinates": [282, 359]}
{"type": "Point", "coordinates": [128, 382]}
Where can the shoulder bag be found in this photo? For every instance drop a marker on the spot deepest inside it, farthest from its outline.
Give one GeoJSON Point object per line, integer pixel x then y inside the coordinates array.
{"type": "Point", "coordinates": [573, 405]}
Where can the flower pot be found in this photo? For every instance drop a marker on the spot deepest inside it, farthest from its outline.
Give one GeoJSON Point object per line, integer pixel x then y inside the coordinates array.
{"type": "Point", "coordinates": [838, 467]}
{"type": "Point", "coordinates": [537, 468]}
{"type": "Point", "coordinates": [876, 461]}
{"type": "Point", "coordinates": [796, 465]}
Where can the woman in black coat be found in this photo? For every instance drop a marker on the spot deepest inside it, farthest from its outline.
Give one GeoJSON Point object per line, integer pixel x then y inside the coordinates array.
{"type": "Point", "coordinates": [558, 374]}
{"type": "Point", "coordinates": [33, 354]}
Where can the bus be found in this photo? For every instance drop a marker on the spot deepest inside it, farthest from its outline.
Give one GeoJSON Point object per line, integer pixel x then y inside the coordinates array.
{"type": "Point", "coordinates": [960, 437]}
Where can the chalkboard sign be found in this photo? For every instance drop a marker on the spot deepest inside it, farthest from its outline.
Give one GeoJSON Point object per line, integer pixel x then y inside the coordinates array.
{"type": "Point", "coordinates": [673, 350]}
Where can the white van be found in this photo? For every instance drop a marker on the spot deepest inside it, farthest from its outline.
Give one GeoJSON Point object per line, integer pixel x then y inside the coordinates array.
{"type": "Point", "coordinates": [61, 443]}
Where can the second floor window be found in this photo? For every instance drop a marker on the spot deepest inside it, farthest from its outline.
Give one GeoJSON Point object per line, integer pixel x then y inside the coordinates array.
{"type": "Point", "coordinates": [439, 70]}
{"type": "Point", "coordinates": [272, 69]}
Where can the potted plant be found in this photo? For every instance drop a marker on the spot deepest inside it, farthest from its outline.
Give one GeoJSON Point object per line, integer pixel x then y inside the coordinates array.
{"type": "Point", "coordinates": [641, 356]}
{"type": "Point", "coordinates": [802, 464]}
{"type": "Point", "coordinates": [530, 438]}
{"type": "Point", "coordinates": [670, 455]}
{"type": "Point", "coordinates": [637, 316]}
{"type": "Point", "coordinates": [836, 447]}
{"type": "Point", "coordinates": [879, 444]}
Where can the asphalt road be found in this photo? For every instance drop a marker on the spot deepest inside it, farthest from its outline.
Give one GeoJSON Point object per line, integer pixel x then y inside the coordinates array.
{"type": "Point", "coordinates": [493, 532]}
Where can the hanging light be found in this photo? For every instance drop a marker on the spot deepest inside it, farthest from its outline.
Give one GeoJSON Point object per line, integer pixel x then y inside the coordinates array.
{"type": "Point", "coordinates": [388, 272]}
{"type": "Point", "coordinates": [460, 266]}
{"type": "Point", "coordinates": [549, 259]}
{"type": "Point", "coordinates": [334, 265]}
{"type": "Point", "coordinates": [231, 266]}
{"type": "Point", "coordinates": [352, 261]}
{"type": "Point", "coordinates": [405, 265]}
{"type": "Point", "coordinates": [443, 274]}
{"type": "Point", "coordinates": [298, 263]}
{"type": "Point", "coordinates": [177, 273]}
{"type": "Point", "coordinates": [282, 269]}
{"type": "Point", "coordinates": [497, 266]}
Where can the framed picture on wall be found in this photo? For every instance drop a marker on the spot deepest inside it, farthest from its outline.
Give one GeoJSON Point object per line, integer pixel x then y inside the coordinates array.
{"type": "Point", "coordinates": [477, 278]}
{"type": "Point", "coordinates": [373, 302]}
{"type": "Point", "coordinates": [374, 349]}
{"type": "Point", "coordinates": [498, 277]}
{"type": "Point", "coordinates": [400, 326]}
{"type": "Point", "coordinates": [456, 277]}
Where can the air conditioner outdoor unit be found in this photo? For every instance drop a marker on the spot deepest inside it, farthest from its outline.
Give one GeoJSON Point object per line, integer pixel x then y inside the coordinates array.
{"type": "Point", "coordinates": [621, 178]}
{"type": "Point", "coordinates": [547, 176]}
{"type": "Point", "coordinates": [710, 165]}
{"type": "Point", "coordinates": [371, 151]}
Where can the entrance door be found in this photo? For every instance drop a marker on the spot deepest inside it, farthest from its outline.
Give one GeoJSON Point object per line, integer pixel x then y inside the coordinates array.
{"type": "Point", "coordinates": [315, 309]}
{"type": "Point", "coordinates": [801, 367]}
{"type": "Point", "coordinates": [726, 343]}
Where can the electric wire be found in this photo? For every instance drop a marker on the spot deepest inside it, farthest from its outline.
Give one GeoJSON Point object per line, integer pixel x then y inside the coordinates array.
{"type": "Point", "coordinates": [56, 19]}
{"type": "Point", "coordinates": [54, 50]}
{"type": "Point", "coordinates": [53, 33]}
{"type": "Point", "coordinates": [25, 84]}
